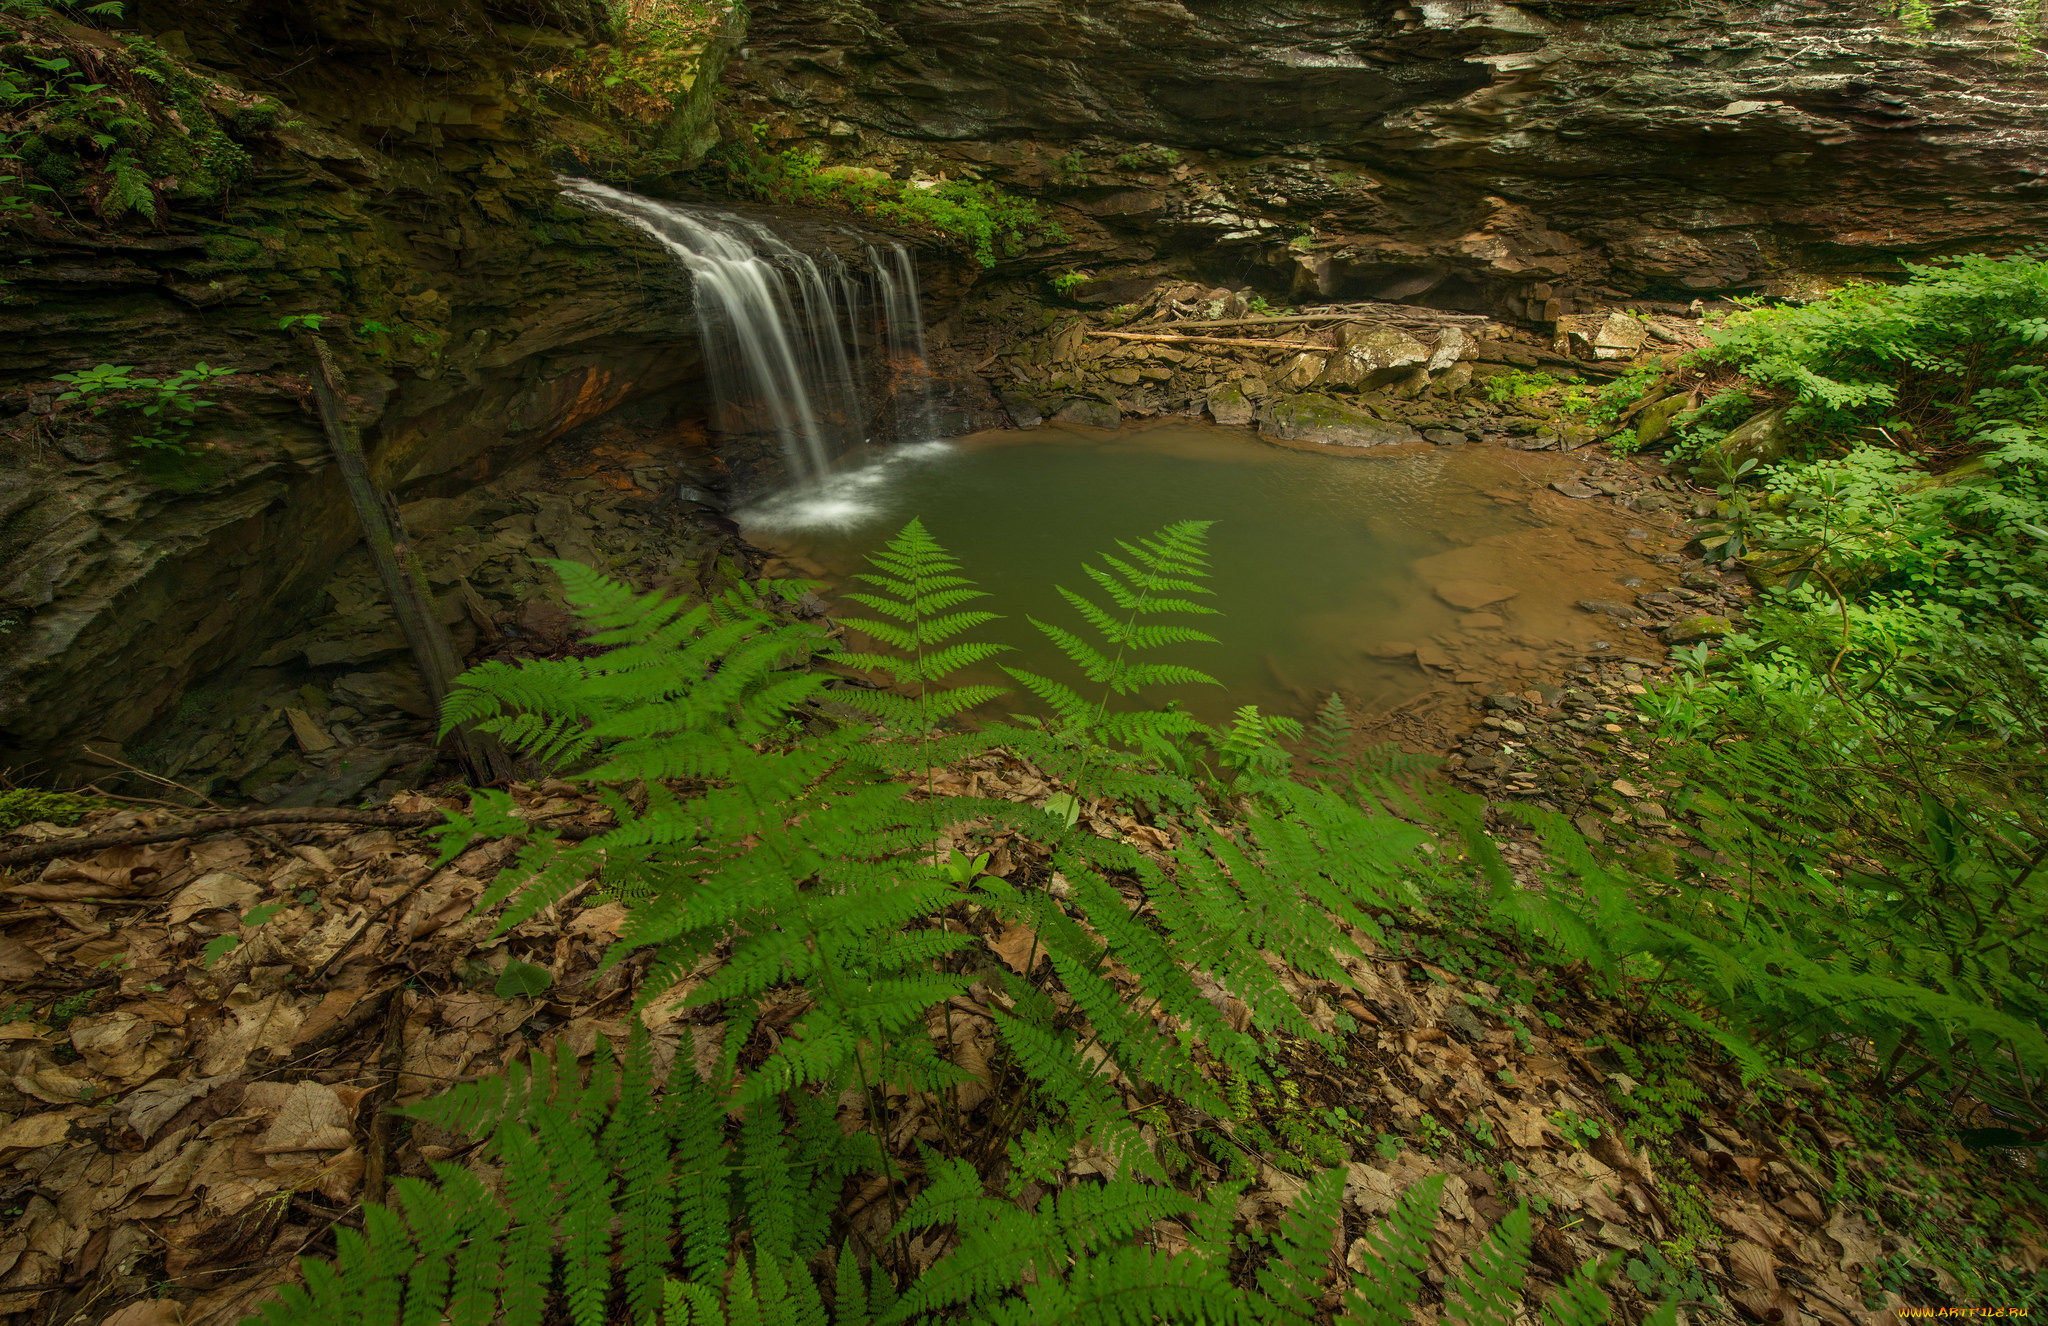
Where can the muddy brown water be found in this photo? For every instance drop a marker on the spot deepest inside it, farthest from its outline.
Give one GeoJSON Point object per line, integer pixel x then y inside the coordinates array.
{"type": "Point", "coordinates": [1385, 574]}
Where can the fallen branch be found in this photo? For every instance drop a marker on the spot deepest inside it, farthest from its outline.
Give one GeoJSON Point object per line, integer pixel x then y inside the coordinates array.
{"type": "Point", "coordinates": [1389, 313]}
{"type": "Point", "coordinates": [247, 819]}
{"type": "Point", "coordinates": [398, 566]}
{"type": "Point", "coordinates": [1238, 342]}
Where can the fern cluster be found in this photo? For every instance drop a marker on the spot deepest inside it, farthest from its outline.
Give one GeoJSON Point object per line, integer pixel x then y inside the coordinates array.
{"type": "Point", "coordinates": [769, 854]}
{"type": "Point", "coordinates": [597, 1168]}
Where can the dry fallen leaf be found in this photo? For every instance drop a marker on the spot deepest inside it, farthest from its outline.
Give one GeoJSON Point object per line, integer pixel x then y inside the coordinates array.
{"type": "Point", "coordinates": [1804, 1207]}
{"type": "Point", "coordinates": [220, 891]}
{"type": "Point", "coordinates": [33, 1131]}
{"type": "Point", "coordinates": [126, 1048]}
{"type": "Point", "coordinates": [151, 1106]}
{"type": "Point", "coordinates": [19, 962]}
{"type": "Point", "coordinates": [1015, 946]}
{"type": "Point", "coordinates": [312, 1118]}
{"type": "Point", "coordinates": [1370, 1190]}
{"type": "Point", "coordinates": [1856, 1239]}
{"type": "Point", "coordinates": [149, 1312]}
{"type": "Point", "coordinates": [1752, 1265]}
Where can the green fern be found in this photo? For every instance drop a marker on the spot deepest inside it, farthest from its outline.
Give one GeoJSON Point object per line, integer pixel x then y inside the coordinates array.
{"type": "Point", "coordinates": [596, 1170]}
{"type": "Point", "coordinates": [1329, 740]}
{"type": "Point", "coordinates": [128, 187]}
{"type": "Point", "coordinates": [1155, 578]}
{"type": "Point", "coordinates": [778, 862]}
{"type": "Point", "coordinates": [917, 587]}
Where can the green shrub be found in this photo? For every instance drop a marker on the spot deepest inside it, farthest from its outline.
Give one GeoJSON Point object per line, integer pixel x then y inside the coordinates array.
{"type": "Point", "coordinates": [1513, 388]}
{"type": "Point", "coordinates": [109, 129]}
{"type": "Point", "coordinates": [1945, 362]}
{"type": "Point", "coordinates": [159, 412]}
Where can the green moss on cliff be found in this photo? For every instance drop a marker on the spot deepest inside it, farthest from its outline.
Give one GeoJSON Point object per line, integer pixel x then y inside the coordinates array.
{"type": "Point", "coordinates": [977, 218]}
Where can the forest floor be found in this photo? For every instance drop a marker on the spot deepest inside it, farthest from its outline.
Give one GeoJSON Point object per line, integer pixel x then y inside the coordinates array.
{"type": "Point", "coordinates": [206, 1037]}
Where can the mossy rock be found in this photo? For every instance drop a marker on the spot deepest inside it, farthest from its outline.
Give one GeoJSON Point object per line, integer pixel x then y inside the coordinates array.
{"type": "Point", "coordinates": [1690, 630]}
{"type": "Point", "coordinates": [24, 805]}
{"type": "Point", "coordinates": [1328, 422]}
{"type": "Point", "coordinates": [1764, 438]}
{"type": "Point", "coordinates": [1655, 421]}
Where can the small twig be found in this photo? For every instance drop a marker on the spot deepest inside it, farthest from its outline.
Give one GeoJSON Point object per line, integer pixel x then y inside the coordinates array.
{"type": "Point", "coordinates": [1355, 313]}
{"type": "Point", "coordinates": [247, 819]}
{"type": "Point", "coordinates": [202, 798]}
{"type": "Point", "coordinates": [277, 844]}
{"type": "Point", "coordinates": [390, 1058]}
{"type": "Point", "coordinates": [102, 793]}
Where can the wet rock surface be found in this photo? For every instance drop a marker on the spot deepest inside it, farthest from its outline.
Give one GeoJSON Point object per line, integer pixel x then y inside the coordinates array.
{"type": "Point", "coordinates": [335, 713]}
{"type": "Point", "coordinates": [1521, 160]}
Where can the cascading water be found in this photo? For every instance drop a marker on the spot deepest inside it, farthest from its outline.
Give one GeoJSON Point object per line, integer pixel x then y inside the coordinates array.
{"type": "Point", "coordinates": [910, 379]}
{"type": "Point", "coordinates": [783, 336]}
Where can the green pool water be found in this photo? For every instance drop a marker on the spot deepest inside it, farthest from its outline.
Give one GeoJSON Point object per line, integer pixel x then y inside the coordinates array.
{"type": "Point", "coordinates": [1327, 566]}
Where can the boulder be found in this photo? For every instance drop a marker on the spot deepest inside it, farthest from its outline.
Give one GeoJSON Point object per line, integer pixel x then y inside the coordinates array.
{"type": "Point", "coordinates": [1319, 419]}
{"type": "Point", "coordinates": [1452, 344]}
{"type": "Point", "coordinates": [1453, 380]}
{"type": "Point", "coordinates": [1086, 413]}
{"type": "Point", "coordinates": [1304, 370]}
{"type": "Point", "coordinates": [1764, 438]}
{"type": "Point", "coordinates": [1024, 411]}
{"type": "Point", "coordinates": [1228, 406]}
{"type": "Point", "coordinates": [1620, 337]}
{"type": "Point", "coordinates": [1654, 423]}
{"type": "Point", "coordinates": [1369, 355]}
{"type": "Point", "coordinates": [1411, 385]}
{"type": "Point", "coordinates": [1691, 629]}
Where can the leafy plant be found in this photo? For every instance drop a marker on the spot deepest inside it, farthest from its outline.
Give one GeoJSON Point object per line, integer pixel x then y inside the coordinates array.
{"type": "Point", "coordinates": [1578, 1131]}
{"type": "Point", "coordinates": [1154, 578]}
{"type": "Point", "coordinates": [168, 406]}
{"type": "Point", "coordinates": [1515, 387]}
{"type": "Point", "coordinates": [112, 128]}
{"type": "Point", "coordinates": [223, 944]}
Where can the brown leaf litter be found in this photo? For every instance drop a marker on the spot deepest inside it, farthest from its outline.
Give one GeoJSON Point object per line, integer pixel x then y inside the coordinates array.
{"type": "Point", "coordinates": [174, 1135]}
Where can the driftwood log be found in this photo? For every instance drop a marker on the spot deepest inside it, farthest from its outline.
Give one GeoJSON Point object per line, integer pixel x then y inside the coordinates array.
{"type": "Point", "coordinates": [405, 583]}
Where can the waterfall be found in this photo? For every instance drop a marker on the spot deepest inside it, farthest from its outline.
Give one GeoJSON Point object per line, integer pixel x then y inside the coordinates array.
{"type": "Point", "coordinates": [783, 333]}
{"type": "Point", "coordinates": [910, 378]}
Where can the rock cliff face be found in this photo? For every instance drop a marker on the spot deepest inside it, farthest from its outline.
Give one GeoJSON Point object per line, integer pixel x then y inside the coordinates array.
{"type": "Point", "coordinates": [401, 193]}
{"type": "Point", "coordinates": [1464, 153]}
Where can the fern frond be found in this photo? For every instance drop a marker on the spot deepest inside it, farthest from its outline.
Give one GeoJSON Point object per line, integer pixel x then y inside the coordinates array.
{"type": "Point", "coordinates": [1580, 1301]}
{"type": "Point", "coordinates": [1488, 1288]}
{"type": "Point", "coordinates": [1292, 1278]}
{"type": "Point", "coordinates": [1394, 1256]}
